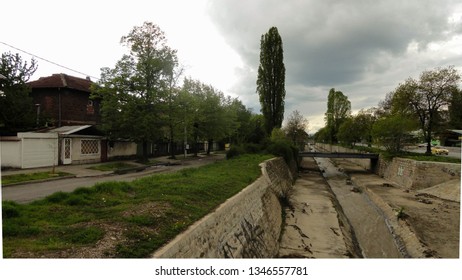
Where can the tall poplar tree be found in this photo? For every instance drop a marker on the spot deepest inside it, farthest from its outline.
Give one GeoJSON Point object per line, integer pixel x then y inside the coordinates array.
{"type": "Point", "coordinates": [338, 110]}
{"type": "Point", "coordinates": [271, 79]}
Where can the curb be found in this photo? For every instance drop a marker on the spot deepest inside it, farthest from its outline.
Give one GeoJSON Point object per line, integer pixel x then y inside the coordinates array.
{"type": "Point", "coordinates": [39, 181]}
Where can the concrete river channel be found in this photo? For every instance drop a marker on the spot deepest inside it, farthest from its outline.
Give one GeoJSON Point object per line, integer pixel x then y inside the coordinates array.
{"type": "Point", "coordinates": [328, 217]}
{"type": "Point", "coordinates": [374, 236]}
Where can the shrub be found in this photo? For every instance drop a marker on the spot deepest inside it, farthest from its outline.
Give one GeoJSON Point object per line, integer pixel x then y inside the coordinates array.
{"type": "Point", "coordinates": [252, 148]}
{"type": "Point", "coordinates": [235, 151]}
{"type": "Point", "coordinates": [283, 149]}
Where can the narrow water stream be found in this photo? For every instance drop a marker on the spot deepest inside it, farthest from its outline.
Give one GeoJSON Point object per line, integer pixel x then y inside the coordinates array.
{"type": "Point", "coordinates": [372, 232]}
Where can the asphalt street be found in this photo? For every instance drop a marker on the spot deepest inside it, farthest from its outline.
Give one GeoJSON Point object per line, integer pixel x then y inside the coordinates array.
{"type": "Point", "coordinates": [33, 191]}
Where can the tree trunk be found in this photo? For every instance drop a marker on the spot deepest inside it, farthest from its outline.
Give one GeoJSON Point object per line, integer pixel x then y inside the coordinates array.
{"type": "Point", "coordinates": [172, 150]}
{"type": "Point", "coordinates": [209, 146]}
{"type": "Point", "coordinates": [144, 156]}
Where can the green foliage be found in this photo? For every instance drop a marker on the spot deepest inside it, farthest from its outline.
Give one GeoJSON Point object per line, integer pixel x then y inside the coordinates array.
{"type": "Point", "coordinates": [278, 135]}
{"type": "Point", "coordinates": [338, 110]}
{"type": "Point", "coordinates": [455, 112]}
{"type": "Point", "coordinates": [424, 99]}
{"type": "Point", "coordinates": [271, 79]}
{"type": "Point", "coordinates": [134, 92]}
{"type": "Point", "coordinates": [17, 111]}
{"type": "Point", "coordinates": [248, 148]}
{"type": "Point", "coordinates": [234, 151]}
{"type": "Point", "coordinates": [284, 149]}
{"type": "Point", "coordinates": [393, 132]}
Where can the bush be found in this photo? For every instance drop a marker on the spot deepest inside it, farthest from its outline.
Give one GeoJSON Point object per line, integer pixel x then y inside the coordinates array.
{"type": "Point", "coordinates": [252, 148]}
{"type": "Point", "coordinates": [284, 149]}
{"type": "Point", "coordinates": [235, 151]}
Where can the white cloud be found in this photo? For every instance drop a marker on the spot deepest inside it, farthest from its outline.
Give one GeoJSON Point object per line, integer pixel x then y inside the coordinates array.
{"type": "Point", "coordinates": [364, 49]}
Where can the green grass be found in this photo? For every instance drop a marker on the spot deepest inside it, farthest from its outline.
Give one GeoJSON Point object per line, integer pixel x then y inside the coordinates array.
{"type": "Point", "coordinates": [20, 178]}
{"type": "Point", "coordinates": [112, 166]}
{"type": "Point", "coordinates": [149, 211]}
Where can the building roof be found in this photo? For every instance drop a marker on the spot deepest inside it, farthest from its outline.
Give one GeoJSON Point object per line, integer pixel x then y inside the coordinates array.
{"type": "Point", "coordinates": [66, 130]}
{"type": "Point", "coordinates": [62, 81]}
{"type": "Point", "coordinates": [456, 131]}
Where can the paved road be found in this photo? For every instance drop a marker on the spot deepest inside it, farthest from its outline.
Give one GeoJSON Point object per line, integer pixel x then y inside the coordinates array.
{"type": "Point", "coordinates": [34, 191]}
{"type": "Point", "coordinates": [453, 151]}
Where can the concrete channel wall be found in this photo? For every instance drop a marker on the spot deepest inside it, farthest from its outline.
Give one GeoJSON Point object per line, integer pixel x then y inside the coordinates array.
{"type": "Point", "coordinates": [408, 173]}
{"type": "Point", "coordinates": [248, 225]}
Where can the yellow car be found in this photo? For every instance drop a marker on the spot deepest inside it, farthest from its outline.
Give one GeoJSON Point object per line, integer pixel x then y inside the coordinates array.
{"type": "Point", "coordinates": [439, 151]}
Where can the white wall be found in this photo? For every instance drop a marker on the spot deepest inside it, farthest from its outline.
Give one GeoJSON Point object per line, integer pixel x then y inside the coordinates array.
{"type": "Point", "coordinates": [38, 149]}
{"type": "Point", "coordinates": [78, 157]}
{"type": "Point", "coordinates": [10, 153]}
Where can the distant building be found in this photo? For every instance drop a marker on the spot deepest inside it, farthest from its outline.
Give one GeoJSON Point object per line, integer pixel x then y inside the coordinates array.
{"type": "Point", "coordinates": [64, 100]}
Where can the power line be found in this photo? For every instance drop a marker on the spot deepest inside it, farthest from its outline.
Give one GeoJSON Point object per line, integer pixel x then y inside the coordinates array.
{"type": "Point", "coordinates": [49, 61]}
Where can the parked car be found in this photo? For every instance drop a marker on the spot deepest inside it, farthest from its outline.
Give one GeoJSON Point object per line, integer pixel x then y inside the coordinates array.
{"type": "Point", "coordinates": [439, 151]}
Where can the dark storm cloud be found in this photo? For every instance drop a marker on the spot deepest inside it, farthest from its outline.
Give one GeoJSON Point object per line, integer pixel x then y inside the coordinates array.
{"type": "Point", "coordinates": [330, 43]}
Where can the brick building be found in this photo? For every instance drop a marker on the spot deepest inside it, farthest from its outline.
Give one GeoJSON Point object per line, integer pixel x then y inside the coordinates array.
{"type": "Point", "coordinates": [64, 100]}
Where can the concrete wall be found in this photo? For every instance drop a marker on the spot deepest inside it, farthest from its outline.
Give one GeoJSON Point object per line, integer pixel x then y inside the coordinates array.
{"type": "Point", "coordinates": [29, 150]}
{"type": "Point", "coordinates": [10, 150]}
{"type": "Point", "coordinates": [39, 149]}
{"type": "Point", "coordinates": [121, 149]}
{"type": "Point", "coordinates": [408, 173]}
{"type": "Point", "coordinates": [248, 225]}
{"type": "Point", "coordinates": [78, 157]}
{"type": "Point", "coordinates": [418, 174]}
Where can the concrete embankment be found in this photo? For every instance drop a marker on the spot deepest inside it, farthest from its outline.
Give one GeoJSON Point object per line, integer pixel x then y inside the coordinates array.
{"type": "Point", "coordinates": [407, 173]}
{"type": "Point", "coordinates": [248, 225]}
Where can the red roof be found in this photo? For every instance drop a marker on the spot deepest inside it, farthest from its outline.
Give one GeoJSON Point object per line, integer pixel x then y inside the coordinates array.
{"type": "Point", "coordinates": [62, 81]}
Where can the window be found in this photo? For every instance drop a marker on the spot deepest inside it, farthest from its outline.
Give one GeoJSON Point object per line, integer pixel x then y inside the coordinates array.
{"type": "Point", "coordinates": [90, 108]}
{"type": "Point", "coordinates": [89, 147]}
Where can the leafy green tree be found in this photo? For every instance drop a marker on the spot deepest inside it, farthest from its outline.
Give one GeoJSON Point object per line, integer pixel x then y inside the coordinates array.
{"type": "Point", "coordinates": [243, 125]}
{"type": "Point", "coordinates": [393, 131]}
{"type": "Point", "coordinates": [16, 107]}
{"type": "Point", "coordinates": [134, 92]}
{"type": "Point", "coordinates": [348, 132]}
{"type": "Point", "coordinates": [213, 117]}
{"type": "Point", "coordinates": [364, 122]}
{"type": "Point", "coordinates": [271, 79]}
{"type": "Point", "coordinates": [338, 110]}
{"type": "Point", "coordinates": [455, 110]}
{"type": "Point", "coordinates": [257, 133]}
{"type": "Point", "coordinates": [426, 97]}
{"type": "Point", "coordinates": [296, 128]}
{"type": "Point", "coordinates": [322, 135]}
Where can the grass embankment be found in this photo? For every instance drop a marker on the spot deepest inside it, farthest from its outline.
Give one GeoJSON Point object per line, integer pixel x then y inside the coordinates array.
{"type": "Point", "coordinates": [21, 178]}
{"type": "Point", "coordinates": [149, 211]}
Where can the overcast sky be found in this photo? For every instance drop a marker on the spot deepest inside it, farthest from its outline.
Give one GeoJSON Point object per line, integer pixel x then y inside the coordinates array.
{"type": "Point", "coordinates": [362, 48]}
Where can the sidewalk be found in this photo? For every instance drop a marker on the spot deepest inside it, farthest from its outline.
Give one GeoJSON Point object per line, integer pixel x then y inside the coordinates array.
{"type": "Point", "coordinates": [81, 170]}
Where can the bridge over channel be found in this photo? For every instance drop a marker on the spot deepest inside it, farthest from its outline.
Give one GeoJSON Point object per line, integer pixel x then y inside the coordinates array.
{"type": "Point", "coordinates": [373, 157]}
